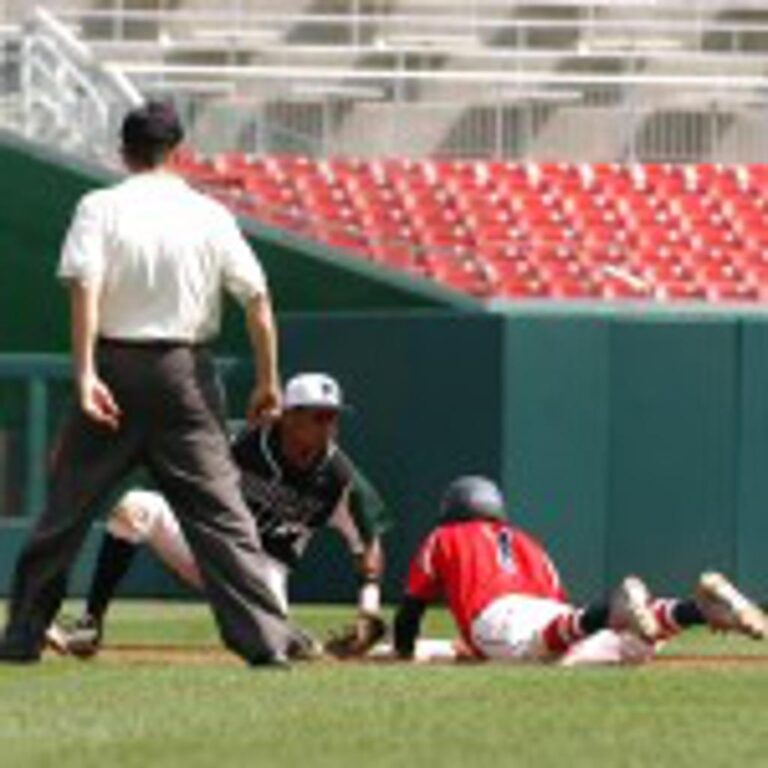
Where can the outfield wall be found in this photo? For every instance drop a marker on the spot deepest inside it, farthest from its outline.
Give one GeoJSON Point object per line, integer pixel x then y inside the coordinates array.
{"type": "Point", "coordinates": [630, 442]}
{"type": "Point", "coordinates": [627, 442]}
{"type": "Point", "coordinates": [622, 444]}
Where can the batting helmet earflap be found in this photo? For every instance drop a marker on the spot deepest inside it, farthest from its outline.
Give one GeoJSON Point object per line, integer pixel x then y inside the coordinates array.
{"type": "Point", "coordinates": [472, 497]}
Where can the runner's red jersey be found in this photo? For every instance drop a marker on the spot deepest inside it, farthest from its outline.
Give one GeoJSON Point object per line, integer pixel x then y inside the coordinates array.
{"type": "Point", "coordinates": [470, 564]}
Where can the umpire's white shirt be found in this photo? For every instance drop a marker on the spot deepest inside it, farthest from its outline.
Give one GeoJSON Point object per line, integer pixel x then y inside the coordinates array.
{"type": "Point", "coordinates": [162, 252]}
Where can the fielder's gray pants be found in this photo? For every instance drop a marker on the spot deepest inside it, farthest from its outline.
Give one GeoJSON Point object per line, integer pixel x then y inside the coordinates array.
{"type": "Point", "coordinates": [173, 423]}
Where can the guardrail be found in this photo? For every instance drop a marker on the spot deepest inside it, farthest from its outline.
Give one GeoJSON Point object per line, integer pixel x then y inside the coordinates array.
{"type": "Point", "coordinates": [500, 114]}
{"type": "Point", "coordinates": [10, 62]}
{"type": "Point", "coordinates": [380, 98]}
{"type": "Point", "coordinates": [69, 98]}
{"type": "Point", "coordinates": [35, 374]}
{"type": "Point", "coordinates": [351, 22]}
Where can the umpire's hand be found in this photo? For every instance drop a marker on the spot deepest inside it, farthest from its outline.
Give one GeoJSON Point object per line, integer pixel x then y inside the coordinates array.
{"type": "Point", "coordinates": [97, 401]}
{"type": "Point", "coordinates": [264, 404]}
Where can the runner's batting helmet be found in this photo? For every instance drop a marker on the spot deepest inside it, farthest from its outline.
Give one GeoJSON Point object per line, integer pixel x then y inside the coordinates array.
{"type": "Point", "coordinates": [472, 498]}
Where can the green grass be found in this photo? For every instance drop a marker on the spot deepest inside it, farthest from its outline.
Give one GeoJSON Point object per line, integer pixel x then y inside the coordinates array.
{"type": "Point", "coordinates": [66, 713]}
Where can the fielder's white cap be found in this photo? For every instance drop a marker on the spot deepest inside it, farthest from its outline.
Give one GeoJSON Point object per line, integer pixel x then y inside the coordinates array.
{"type": "Point", "coordinates": [313, 390]}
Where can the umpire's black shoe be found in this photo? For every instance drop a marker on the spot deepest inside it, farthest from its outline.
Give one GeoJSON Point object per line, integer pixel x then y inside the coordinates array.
{"type": "Point", "coordinates": [15, 653]}
{"type": "Point", "coordinates": [275, 661]}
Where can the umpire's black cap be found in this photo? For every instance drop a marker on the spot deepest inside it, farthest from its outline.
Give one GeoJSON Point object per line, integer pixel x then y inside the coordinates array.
{"type": "Point", "coordinates": [154, 125]}
{"type": "Point", "coordinates": [472, 497]}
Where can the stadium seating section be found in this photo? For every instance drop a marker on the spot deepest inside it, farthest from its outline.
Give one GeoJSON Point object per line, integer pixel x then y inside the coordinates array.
{"type": "Point", "coordinates": [512, 230]}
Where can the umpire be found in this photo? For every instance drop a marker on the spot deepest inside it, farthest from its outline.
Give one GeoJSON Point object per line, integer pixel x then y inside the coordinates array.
{"type": "Point", "coordinates": [146, 261]}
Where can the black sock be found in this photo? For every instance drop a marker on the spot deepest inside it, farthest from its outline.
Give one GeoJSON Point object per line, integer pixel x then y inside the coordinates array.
{"type": "Point", "coordinates": [115, 558]}
{"type": "Point", "coordinates": [594, 618]}
{"type": "Point", "coordinates": [687, 614]}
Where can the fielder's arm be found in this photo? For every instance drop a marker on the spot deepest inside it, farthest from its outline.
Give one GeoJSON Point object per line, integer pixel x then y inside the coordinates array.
{"type": "Point", "coordinates": [357, 519]}
{"type": "Point", "coordinates": [369, 627]}
{"type": "Point", "coordinates": [370, 570]}
{"type": "Point", "coordinates": [362, 519]}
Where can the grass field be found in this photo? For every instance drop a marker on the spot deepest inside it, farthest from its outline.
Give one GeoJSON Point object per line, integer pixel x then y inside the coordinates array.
{"type": "Point", "coordinates": [109, 714]}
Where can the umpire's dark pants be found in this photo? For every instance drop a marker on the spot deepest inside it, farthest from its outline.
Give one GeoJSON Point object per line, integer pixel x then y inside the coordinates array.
{"type": "Point", "coordinates": [173, 423]}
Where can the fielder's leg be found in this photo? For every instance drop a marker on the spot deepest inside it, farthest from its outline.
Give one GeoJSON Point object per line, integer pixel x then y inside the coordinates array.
{"type": "Point", "coordinates": [139, 518]}
{"type": "Point", "coordinates": [146, 518]}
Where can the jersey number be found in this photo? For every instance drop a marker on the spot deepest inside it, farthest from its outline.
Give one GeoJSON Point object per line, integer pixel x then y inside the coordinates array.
{"type": "Point", "coordinates": [504, 548]}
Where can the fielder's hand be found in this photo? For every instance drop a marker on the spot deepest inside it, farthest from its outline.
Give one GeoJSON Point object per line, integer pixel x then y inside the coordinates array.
{"type": "Point", "coordinates": [356, 639]}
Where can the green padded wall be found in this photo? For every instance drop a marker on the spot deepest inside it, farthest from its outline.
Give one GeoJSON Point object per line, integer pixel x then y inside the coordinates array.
{"type": "Point", "coordinates": [751, 522]}
{"type": "Point", "coordinates": [555, 425]}
{"type": "Point", "coordinates": [625, 443]}
{"type": "Point", "coordinates": [38, 200]}
{"type": "Point", "coordinates": [672, 457]}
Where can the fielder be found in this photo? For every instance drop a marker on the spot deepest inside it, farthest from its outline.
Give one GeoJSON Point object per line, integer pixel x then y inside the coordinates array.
{"type": "Point", "coordinates": [507, 600]}
{"type": "Point", "coordinates": [295, 480]}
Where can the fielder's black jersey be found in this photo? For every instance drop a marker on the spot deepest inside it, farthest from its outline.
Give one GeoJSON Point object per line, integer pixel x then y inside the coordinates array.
{"type": "Point", "coordinates": [290, 505]}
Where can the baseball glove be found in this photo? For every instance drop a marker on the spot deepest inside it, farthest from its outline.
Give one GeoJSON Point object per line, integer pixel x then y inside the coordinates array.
{"type": "Point", "coordinates": [356, 639]}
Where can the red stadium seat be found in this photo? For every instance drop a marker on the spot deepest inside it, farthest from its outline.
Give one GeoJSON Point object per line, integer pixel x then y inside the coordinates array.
{"type": "Point", "coordinates": [566, 287]}
{"type": "Point", "coordinates": [615, 289]}
{"type": "Point", "coordinates": [522, 230]}
{"type": "Point", "coordinates": [523, 288]}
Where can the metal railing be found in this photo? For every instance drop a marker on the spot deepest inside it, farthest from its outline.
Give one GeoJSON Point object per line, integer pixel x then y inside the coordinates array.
{"type": "Point", "coordinates": [446, 26]}
{"type": "Point", "coordinates": [374, 95]}
{"type": "Point", "coordinates": [23, 485]}
{"type": "Point", "coordinates": [69, 98]}
{"type": "Point", "coordinates": [10, 85]}
{"type": "Point", "coordinates": [596, 118]}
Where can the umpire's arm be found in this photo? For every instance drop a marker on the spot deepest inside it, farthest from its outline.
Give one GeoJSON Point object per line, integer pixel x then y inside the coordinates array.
{"type": "Point", "coordinates": [244, 279]}
{"type": "Point", "coordinates": [264, 402]}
